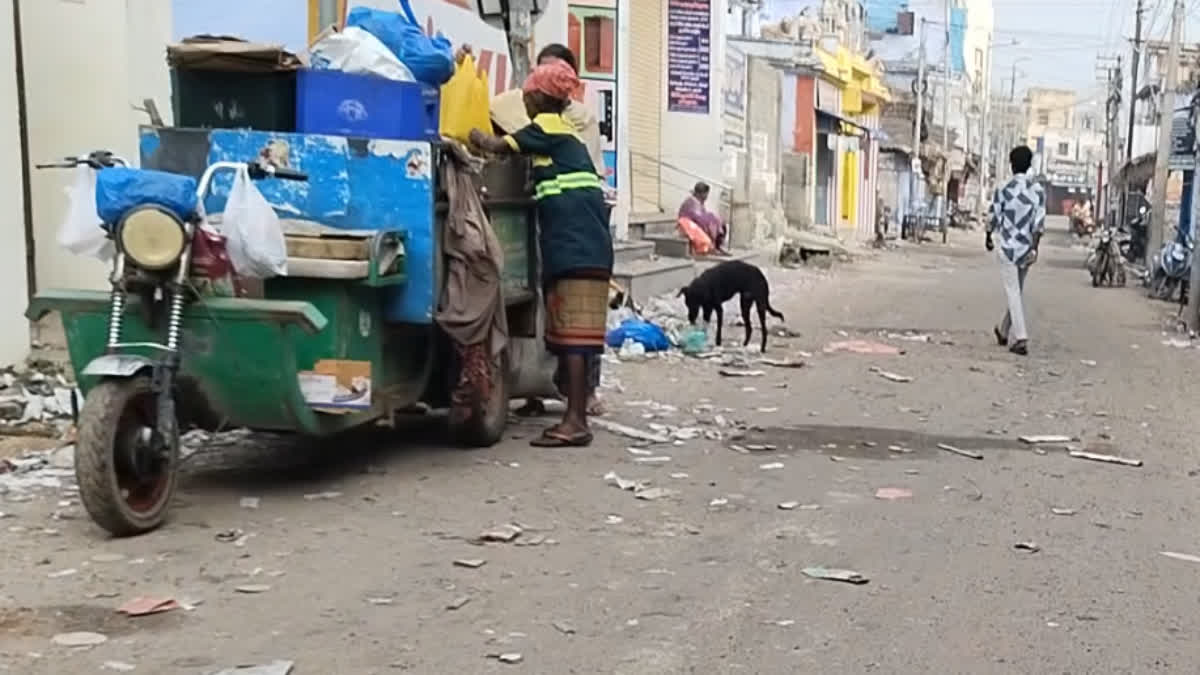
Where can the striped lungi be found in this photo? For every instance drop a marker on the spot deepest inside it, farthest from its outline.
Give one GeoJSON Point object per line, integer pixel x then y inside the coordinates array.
{"type": "Point", "coordinates": [576, 313]}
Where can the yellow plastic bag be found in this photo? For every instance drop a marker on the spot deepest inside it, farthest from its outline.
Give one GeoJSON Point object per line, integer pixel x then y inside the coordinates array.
{"type": "Point", "coordinates": [464, 104]}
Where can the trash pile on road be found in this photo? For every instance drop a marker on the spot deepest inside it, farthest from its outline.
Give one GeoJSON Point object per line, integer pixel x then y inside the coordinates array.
{"type": "Point", "coordinates": [37, 398]}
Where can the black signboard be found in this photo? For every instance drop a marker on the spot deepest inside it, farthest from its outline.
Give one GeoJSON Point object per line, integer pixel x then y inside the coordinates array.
{"type": "Point", "coordinates": [689, 52]}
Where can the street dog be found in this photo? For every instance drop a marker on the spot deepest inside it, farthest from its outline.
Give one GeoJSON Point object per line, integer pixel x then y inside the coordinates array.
{"type": "Point", "coordinates": [711, 289]}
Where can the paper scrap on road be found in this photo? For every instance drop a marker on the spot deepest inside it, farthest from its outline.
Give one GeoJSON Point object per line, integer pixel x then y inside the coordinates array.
{"type": "Point", "coordinates": [79, 639]}
{"type": "Point", "coordinates": [1063, 512]}
{"type": "Point", "coordinates": [253, 589]}
{"type": "Point", "coordinates": [772, 466]}
{"type": "Point", "coordinates": [272, 668]}
{"type": "Point", "coordinates": [502, 534]}
{"type": "Point", "coordinates": [630, 432]}
{"type": "Point", "coordinates": [510, 658]}
{"type": "Point", "coordinates": [862, 347]}
{"type": "Point", "coordinates": [1108, 459]}
{"type": "Point", "coordinates": [959, 451]}
{"type": "Point", "coordinates": [654, 493]}
{"type": "Point", "coordinates": [145, 606]}
{"type": "Point", "coordinates": [622, 483]}
{"type": "Point", "coordinates": [118, 666]}
{"type": "Point", "coordinates": [470, 563]}
{"type": "Point", "coordinates": [846, 576]}
{"type": "Point", "coordinates": [1186, 557]}
{"type": "Point", "coordinates": [1028, 546]}
{"type": "Point", "coordinates": [788, 506]}
{"type": "Point", "coordinates": [892, 494]}
{"type": "Point", "coordinates": [318, 496]}
{"type": "Point", "coordinates": [1045, 439]}
{"type": "Point", "coordinates": [783, 363]}
{"type": "Point", "coordinates": [888, 375]}
{"type": "Point", "coordinates": [458, 603]}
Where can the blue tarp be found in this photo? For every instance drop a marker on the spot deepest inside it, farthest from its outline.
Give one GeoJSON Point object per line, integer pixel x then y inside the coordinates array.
{"type": "Point", "coordinates": [120, 189]}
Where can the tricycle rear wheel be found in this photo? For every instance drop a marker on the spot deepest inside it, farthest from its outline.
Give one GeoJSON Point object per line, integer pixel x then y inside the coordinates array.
{"type": "Point", "coordinates": [485, 425]}
{"type": "Point", "coordinates": [125, 483]}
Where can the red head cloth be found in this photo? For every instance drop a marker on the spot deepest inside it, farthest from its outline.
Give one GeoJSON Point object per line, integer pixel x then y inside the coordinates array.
{"type": "Point", "coordinates": [555, 79]}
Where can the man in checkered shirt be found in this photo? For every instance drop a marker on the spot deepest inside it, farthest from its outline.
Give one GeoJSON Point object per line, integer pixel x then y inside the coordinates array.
{"type": "Point", "coordinates": [1019, 217]}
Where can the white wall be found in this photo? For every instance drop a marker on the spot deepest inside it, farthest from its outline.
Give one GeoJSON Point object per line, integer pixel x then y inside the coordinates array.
{"type": "Point", "coordinates": [14, 339]}
{"type": "Point", "coordinates": [692, 141]}
{"type": "Point", "coordinates": [85, 64]}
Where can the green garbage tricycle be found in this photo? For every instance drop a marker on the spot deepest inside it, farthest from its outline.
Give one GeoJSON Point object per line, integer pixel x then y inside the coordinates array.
{"type": "Point", "coordinates": [345, 338]}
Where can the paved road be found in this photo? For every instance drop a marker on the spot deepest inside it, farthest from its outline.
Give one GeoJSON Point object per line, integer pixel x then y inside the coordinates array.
{"type": "Point", "coordinates": [708, 578]}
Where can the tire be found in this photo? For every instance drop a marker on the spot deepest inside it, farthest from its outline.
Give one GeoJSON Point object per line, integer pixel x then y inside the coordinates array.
{"type": "Point", "coordinates": [109, 488]}
{"type": "Point", "coordinates": [485, 426]}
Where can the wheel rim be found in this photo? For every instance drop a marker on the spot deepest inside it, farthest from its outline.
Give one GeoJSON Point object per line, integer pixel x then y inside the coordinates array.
{"type": "Point", "coordinates": [142, 477]}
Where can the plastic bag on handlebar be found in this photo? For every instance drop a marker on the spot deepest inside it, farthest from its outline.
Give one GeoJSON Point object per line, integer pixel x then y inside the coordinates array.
{"type": "Point", "coordinates": [255, 237]}
{"type": "Point", "coordinates": [81, 231]}
{"type": "Point", "coordinates": [120, 189]}
{"type": "Point", "coordinates": [430, 59]}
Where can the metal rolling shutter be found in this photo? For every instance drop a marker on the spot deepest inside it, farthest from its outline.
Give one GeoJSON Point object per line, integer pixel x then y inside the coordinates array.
{"type": "Point", "coordinates": [646, 102]}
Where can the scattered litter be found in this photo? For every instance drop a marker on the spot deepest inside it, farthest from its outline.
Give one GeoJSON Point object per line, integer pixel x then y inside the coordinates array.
{"type": "Point", "coordinates": [654, 493]}
{"type": "Point", "coordinates": [272, 668]}
{"type": "Point", "coordinates": [510, 658]}
{"type": "Point", "coordinates": [1029, 546]}
{"type": "Point", "coordinates": [660, 459]}
{"type": "Point", "coordinates": [230, 535]}
{"type": "Point", "coordinates": [145, 606]}
{"type": "Point", "coordinates": [379, 600]}
{"type": "Point", "coordinates": [564, 627]}
{"type": "Point", "coordinates": [959, 451]}
{"type": "Point", "coordinates": [631, 432]}
{"type": "Point", "coordinates": [458, 603]}
{"type": "Point", "coordinates": [622, 483]}
{"type": "Point", "coordinates": [738, 372]}
{"type": "Point", "coordinates": [640, 452]}
{"type": "Point", "coordinates": [768, 410]}
{"type": "Point", "coordinates": [613, 520]}
{"type": "Point", "coordinates": [783, 363]}
{"type": "Point", "coordinates": [899, 450]}
{"type": "Point", "coordinates": [1063, 512]}
{"type": "Point", "coordinates": [317, 496]}
{"type": "Point", "coordinates": [69, 572]}
{"type": "Point", "coordinates": [847, 576]}
{"type": "Point", "coordinates": [788, 506]}
{"type": "Point", "coordinates": [502, 534]}
{"type": "Point", "coordinates": [249, 502]}
{"type": "Point", "coordinates": [862, 347]}
{"type": "Point", "coordinates": [892, 494]}
{"type": "Point", "coordinates": [888, 375]}
{"type": "Point", "coordinates": [79, 639]}
{"type": "Point", "coordinates": [1088, 362]}
{"type": "Point", "coordinates": [470, 563]}
{"type": "Point", "coordinates": [1186, 557]}
{"type": "Point", "coordinates": [679, 475]}
{"type": "Point", "coordinates": [719, 501]}
{"type": "Point", "coordinates": [909, 337]}
{"type": "Point", "coordinates": [119, 666]}
{"type": "Point", "coordinates": [783, 623]}
{"type": "Point", "coordinates": [762, 447]}
{"type": "Point", "coordinates": [772, 466]}
{"type": "Point", "coordinates": [107, 558]}
{"type": "Point", "coordinates": [1108, 459]}
{"type": "Point", "coordinates": [1045, 439]}
{"type": "Point", "coordinates": [252, 589]}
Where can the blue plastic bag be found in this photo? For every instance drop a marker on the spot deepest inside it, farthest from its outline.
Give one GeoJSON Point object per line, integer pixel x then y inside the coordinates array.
{"type": "Point", "coordinates": [431, 60]}
{"type": "Point", "coordinates": [650, 336]}
{"type": "Point", "coordinates": [120, 189]}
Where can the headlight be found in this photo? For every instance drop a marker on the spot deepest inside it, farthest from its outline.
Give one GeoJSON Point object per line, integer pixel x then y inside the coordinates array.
{"type": "Point", "coordinates": [151, 238]}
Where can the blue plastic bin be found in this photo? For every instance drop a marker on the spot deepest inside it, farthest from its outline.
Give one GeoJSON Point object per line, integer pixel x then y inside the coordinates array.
{"type": "Point", "coordinates": [341, 104]}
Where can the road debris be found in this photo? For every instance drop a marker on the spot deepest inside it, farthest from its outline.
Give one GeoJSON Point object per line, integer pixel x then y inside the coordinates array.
{"type": "Point", "coordinates": [783, 363]}
{"type": "Point", "coordinates": [230, 536]}
{"type": "Point", "coordinates": [118, 666]}
{"type": "Point", "coordinates": [470, 563]}
{"type": "Point", "coordinates": [1186, 557]}
{"type": "Point", "coordinates": [739, 372]}
{"type": "Point", "coordinates": [511, 658]}
{"type": "Point", "coordinates": [249, 502]}
{"type": "Point", "coordinates": [1108, 459]}
{"type": "Point", "coordinates": [771, 466]}
{"type": "Point", "coordinates": [1063, 512]}
{"type": "Point", "coordinates": [1089, 363]}
{"type": "Point", "coordinates": [959, 451]}
{"type": "Point", "coordinates": [458, 603]}
{"type": "Point", "coordinates": [1046, 439]}
{"type": "Point", "coordinates": [107, 558]}
{"type": "Point", "coordinates": [622, 483]}
{"type": "Point", "coordinates": [862, 347]}
{"type": "Point", "coordinates": [788, 506]}
{"type": "Point", "coordinates": [1028, 546]}
{"type": "Point", "coordinates": [658, 459]}
{"type": "Point", "coordinates": [629, 432]}
{"type": "Point", "coordinates": [252, 589]}
{"type": "Point", "coordinates": [147, 605]}
{"type": "Point", "coordinates": [892, 494]}
{"type": "Point", "coordinates": [320, 496]}
{"type": "Point", "coordinates": [564, 627]}
{"type": "Point", "coordinates": [654, 493]}
{"type": "Point", "coordinates": [502, 534]}
{"type": "Point", "coordinates": [79, 639]}
{"type": "Point", "coordinates": [888, 375]}
{"type": "Point", "coordinates": [846, 576]}
{"type": "Point", "coordinates": [272, 668]}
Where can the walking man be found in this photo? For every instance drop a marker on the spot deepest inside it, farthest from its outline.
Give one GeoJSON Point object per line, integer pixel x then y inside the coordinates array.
{"type": "Point", "coordinates": [1019, 214]}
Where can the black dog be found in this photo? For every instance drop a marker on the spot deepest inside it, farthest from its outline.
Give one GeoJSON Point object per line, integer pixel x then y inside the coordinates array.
{"type": "Point", "coordinates": [711, 289]}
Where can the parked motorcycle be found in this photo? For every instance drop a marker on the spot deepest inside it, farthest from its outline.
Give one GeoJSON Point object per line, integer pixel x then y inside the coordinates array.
{"type": "Point", "coordinates": [1104, 261]}
{"type": "Point", "coordinates": [1137, 230]}
{"type": "Point", "coordinates": [1171, 269]}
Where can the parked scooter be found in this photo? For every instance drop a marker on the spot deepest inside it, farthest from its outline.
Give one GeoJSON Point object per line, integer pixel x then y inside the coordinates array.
{"type": "Point", "coordinates": [1171, 269]}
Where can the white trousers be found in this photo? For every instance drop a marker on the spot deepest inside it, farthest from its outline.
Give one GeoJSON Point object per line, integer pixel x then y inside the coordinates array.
{"type": "Point", "coordinates": [1012, 326]}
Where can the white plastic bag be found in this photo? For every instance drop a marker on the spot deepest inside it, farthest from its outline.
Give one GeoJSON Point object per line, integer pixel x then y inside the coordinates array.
{"type": "Point", "coordinates": [356, 51]}
{"type": "Point", "coordinates": [81, 232]}
{"type": "Point", "coordinates": [255, 238]}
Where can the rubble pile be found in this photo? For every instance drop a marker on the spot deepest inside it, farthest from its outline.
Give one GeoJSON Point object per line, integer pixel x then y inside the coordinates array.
{"type": "Point", "coordinates": [36, 399]}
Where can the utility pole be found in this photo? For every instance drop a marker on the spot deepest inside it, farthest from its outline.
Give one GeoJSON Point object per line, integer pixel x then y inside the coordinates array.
{"type": "Point", "coordinates": [1166, 111]}
{"type": "Point", "coordinates": [518, 23]}
{"type": "Point", "coordinates": [1193, 306]}
{"type": "Point", "coordinates": [919, 94]}
{"type": "Point", "coordinates": [985, 137]}
{"type": "Point", "coordinates": [1109, 69]}
{"type": "Point", "coordinates": [944, 212]}
{"type": "Point", "coordinates": [1133, 92]}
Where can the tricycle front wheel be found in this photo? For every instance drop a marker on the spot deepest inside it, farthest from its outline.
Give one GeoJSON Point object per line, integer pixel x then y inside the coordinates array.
{"type": "Point", "coordinates": [484, 425]}
{"type": "Point", "coordinates": [126, 481]}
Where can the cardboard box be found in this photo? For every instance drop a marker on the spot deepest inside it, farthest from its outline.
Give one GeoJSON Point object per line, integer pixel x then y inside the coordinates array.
{"type": "Point", "coordinates": [336, 386]}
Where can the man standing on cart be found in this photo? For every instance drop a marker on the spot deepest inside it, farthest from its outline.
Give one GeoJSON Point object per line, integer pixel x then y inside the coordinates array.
{"type": "Point", "coordinates": [576, 246]}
